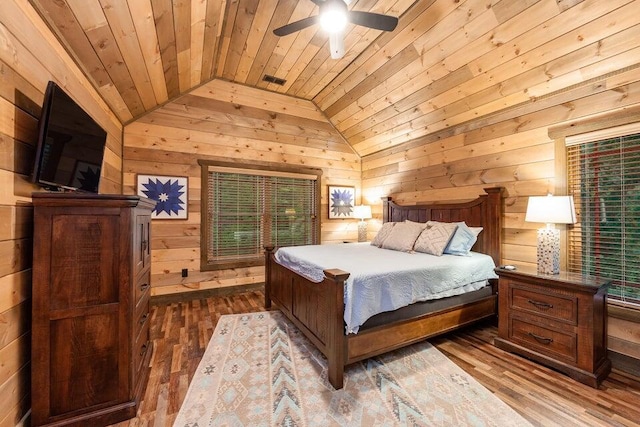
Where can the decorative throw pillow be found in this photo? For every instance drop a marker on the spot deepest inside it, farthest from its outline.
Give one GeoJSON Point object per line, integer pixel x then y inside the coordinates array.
{"type": "Point", "coordinates": [382, 234]}
{"type": "Point", "coordinates": [435, 238]}
{"type": "Point", "coordinates": [403, 236]}
{"type": "Point", "coordinates": [463, 239]}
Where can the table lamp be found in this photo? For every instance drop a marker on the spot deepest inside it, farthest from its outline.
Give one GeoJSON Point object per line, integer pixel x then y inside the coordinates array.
{"type": "Point", "coordinates": [362, 212]}
{"type": "Point", "coordinates": [550, 210]}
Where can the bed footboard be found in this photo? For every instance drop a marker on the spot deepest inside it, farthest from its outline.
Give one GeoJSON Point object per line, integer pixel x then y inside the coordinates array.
{"type": "Point", "coordinates": [317, 309]}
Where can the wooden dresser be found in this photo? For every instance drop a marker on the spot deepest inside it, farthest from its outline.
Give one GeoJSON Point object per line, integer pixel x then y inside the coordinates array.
{"type": "Point", "coordinates": [90, 347]}
{"type": "Point", "coordinates": [557, 320]}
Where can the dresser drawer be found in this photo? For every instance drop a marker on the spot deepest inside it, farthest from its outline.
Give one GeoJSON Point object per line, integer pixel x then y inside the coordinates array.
{"type": "Point", "coordinates": [553, 343]}
{"type": "Point", "coordinates": [552, 306]}
{"type": "Point", "coordinates": [141, 347]}
{"type": "Point", "coordinates": [141, 316]}
{"type": "Point", "coordinates": [141, 288]}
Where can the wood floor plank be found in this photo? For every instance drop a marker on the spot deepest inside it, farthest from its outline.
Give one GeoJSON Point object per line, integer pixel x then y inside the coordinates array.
{"type": "Point", "coordinates": [181, 331]}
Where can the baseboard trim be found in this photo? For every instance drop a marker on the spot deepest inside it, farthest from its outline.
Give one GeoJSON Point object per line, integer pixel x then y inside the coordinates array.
{"type": "Point", "coordinates": [624, 363]}
{"type": "Point", "coordinates": [204, 293]}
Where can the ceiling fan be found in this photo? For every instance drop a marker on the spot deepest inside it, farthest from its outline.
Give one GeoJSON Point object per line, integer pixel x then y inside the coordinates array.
{"type": "Point", "coordinates": [334, 17]}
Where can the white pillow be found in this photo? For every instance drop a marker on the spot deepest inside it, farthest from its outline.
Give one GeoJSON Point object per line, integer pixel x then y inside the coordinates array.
{"type": "Point", "coordinates": [382, 234]}
{"type": "Point", "coordinates": [463, 239]}
{"type": "Point", "coordinates": [403, 235]}
{"type": "Point", "coordinates": [435, 238]}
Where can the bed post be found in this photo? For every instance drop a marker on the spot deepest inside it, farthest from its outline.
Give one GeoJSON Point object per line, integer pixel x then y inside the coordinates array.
{"type": "Point", "coordinates": [268, 250]}
{"type": "Point", "coordinates": [493, 215]}
{"type": "Point", "coordinates": [336, 345]}
{"type": "Point", "coordinates": [386, 209]}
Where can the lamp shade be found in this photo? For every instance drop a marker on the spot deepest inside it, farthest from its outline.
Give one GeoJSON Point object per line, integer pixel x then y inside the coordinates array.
{"type": "Point", "coordinates": [362, 212]}
{"type": "Point", "coordinates": [551, 210]}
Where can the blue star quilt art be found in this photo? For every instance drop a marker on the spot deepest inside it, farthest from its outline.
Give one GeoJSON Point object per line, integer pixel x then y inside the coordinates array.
{"type": "Point", "coordinates": [341, 201]}
{"type": "Point", "coordinates": [169, 193]}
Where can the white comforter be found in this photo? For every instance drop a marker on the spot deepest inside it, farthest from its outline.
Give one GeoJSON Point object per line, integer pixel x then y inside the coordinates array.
{"type": "Point", "coordinates": [384, 280]}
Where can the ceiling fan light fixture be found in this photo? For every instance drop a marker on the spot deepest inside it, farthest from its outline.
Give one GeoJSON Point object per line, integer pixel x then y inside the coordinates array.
{"type": "Point", "coordinates": [333, 16]}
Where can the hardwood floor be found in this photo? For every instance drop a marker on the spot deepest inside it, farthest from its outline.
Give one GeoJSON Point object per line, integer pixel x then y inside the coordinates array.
{"type": "Point", "coordinates": [181, 331]}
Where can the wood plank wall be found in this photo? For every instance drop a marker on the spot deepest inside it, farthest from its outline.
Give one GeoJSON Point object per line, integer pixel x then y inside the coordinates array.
{"type": "Point", "coordinates": [30, 56]}
{"type": "Point", "coordinates": [229, 122]}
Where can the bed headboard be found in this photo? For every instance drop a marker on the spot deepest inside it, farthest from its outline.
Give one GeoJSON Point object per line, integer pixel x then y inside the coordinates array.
{"type": "Point", "coordinates": [485, 212]}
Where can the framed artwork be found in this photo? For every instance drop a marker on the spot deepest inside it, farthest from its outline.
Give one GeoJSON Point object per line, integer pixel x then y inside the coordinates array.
{"type": "Point", "coordinates": [169, 192]}
{"type": "Point", "coordinates": [342, 200]}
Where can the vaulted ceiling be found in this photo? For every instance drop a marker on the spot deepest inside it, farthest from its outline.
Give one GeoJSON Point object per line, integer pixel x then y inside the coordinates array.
{"type": "Point", "coordinates": [447, 62]}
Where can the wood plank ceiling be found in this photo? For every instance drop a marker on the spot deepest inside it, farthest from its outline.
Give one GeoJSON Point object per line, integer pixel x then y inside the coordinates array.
{"type": "Point", "coordinates": [447, 63]}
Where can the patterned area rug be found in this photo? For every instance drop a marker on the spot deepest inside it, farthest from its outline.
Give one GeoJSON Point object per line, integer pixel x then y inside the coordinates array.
{"type": "Point", "coordinates": [259, 370]}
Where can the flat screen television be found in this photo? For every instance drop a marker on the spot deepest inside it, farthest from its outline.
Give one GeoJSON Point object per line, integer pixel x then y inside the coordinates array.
{"type": "Point", "coordinates": [70, 145]}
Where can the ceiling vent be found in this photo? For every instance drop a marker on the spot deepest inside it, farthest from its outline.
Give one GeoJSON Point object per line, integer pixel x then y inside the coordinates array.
{"type": "Point", "coordinates": [274, 79]}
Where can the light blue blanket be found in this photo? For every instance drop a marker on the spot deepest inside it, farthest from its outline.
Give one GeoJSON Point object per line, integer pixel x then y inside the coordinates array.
{"type": "Point", "coordinates": [384, 280]}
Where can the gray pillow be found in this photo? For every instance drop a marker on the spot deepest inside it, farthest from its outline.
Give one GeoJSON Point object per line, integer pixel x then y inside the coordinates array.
{"type": "Point", "coordinates": [382, 234]}
{"type": "Point", "coordinates": [463, 239]}
{"type": "Point", "coordinates": [435, 239]}
{"type": "Point", "coordinates": [403, 235]}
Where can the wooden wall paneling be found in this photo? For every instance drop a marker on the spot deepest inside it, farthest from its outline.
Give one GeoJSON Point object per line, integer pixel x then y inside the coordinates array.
{"type": "Point", "coordinates": [163, 16]}
{"type": "Point", "coordinates": [182, 28]}
{"type": "Point", "coordinates": [260, 23]}
{"type": "Point", "coordinates": [16, 322]}
{"type": "Point", "coordinates": [288, 50]}
{"type": "Point", "coordinates": [120, 21]}
{"type": "Point", "coordinates": [240, 16]}
{"type": "Point", "coordinates": [13, 356]}
{"type": "Point", "coordinates": [213, 31]}
{"type": "Point", "coordinates": [18, 402]}
{"type": "Point", "coordinates": [198, 28]}
{"type": "Point", "coordinates": [252, 97]}
{"type": "Point", "coordinates": [14, 289]}
{"type": "Point", "coordinates": [141, 14]}
{"type": "Point", "coordinates": [121, 76]}
{"type": "Point", "coordinates": [281, 16]}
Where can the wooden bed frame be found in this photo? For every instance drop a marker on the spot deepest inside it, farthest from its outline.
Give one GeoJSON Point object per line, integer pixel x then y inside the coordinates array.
{"type": "Point", "coordinates": [317, 309]}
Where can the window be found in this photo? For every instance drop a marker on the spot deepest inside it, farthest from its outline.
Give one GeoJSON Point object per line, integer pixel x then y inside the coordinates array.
{"type": "Point", "coordinates": [604, 178]}
{"type": "Point", "coordinates": [248, 207]}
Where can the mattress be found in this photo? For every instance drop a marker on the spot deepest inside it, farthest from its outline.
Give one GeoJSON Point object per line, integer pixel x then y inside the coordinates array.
{"type": "Point", "coordinates": [382, 280]}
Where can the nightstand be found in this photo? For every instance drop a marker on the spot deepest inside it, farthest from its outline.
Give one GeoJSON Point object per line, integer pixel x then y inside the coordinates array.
{"type": "Point", "coordinates": [557, 320]}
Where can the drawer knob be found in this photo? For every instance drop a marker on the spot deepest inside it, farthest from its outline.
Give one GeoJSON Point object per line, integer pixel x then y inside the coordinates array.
{"type": "Point", "coordinates": [541, 305]}
{"type": "Point", "coordinates": [540, 339]}
{"type": "Point", "coordinates": [144, 348]}
{"type": "Point", "coordinates": [144, 287]}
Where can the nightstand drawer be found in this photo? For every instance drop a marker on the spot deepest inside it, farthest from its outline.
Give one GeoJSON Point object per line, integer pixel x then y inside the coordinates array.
{"type": "Point", "coordinates": [545, 341]}
{"type": "Point", "coordinates": [549, 305]}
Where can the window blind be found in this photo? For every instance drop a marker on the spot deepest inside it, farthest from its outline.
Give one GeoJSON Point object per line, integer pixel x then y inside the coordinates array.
{"type": "Point", "coordinates": [247, 211]}
{"type": "Point", "coordinates": [604, 178]}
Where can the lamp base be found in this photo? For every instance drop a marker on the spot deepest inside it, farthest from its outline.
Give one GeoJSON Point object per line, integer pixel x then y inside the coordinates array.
{"type": "Point", "coordinates": [548, 251]}
{"type": "Point", "coordinates": [362, 231]}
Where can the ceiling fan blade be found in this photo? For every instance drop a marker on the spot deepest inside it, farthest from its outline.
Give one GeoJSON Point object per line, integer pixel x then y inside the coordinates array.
{"type": "Point", "coordinates": [373, 20]}
{"type": "Point", "coordinates": [296, 26]}
{"type": "Point", "coordinates": [336, 45]}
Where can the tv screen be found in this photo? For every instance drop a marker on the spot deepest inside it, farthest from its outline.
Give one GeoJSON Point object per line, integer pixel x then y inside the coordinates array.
{"type": "Point", "coordinates": [70, 145]}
